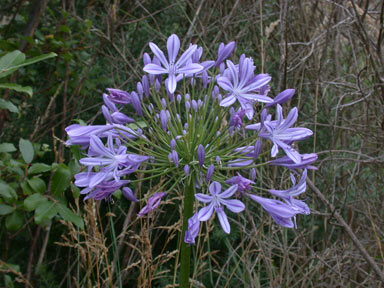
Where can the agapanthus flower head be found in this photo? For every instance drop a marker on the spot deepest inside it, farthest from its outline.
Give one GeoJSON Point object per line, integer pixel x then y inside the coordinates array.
{"type": "Point", "coordinates": [190, 140]}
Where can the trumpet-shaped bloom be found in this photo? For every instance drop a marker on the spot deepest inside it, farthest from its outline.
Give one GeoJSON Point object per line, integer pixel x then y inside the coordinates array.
{"type": "Point", "coordinates": [171, 66]}
{"type": "Point", "coordinates": [217, 200]}
{"type": "Point", "coordinates": [243, 184]}
{"type": "Point", "coordinates": [110, 159]}
{"type": "Point", "coordinates": [152, 203]}
{"type": "Point", "coordinates": [287, 195]}
{"type": "Point", "coordinates": [279, 211]}
{"type": "Point", "coordinates": [281, 133]}
{"type": "Point", "coordinates": [193, 229]}
{"type": "Point", "coordinates": [242, 85]}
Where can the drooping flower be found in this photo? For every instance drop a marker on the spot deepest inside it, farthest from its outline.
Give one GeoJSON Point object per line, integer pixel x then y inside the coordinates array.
{"type": "Point", "coordinates": [152, 203]}
{"type": "Point", "coordinates": [193, 229]}
{"type": "Point", "coordinates": [216, 201]}
{"type": "Point", "coordinates": [306, 161]}
{"type": "Point", "coordinates": [279, 211]}
{"type": "Point", "coordinates": [171, 66]}
{"type": "Point", "coordinates": [243, 183]}
{"type": "Point", "coordinates": [287, 195]}
{"type": "Point", "coordinates": [128, 193]}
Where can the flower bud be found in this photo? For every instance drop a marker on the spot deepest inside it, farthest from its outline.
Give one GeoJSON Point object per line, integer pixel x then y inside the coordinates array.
{"type": "Point", "coordinates": [201, 154]}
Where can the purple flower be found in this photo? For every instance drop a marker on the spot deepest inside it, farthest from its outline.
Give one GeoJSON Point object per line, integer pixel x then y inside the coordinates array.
{"type": "Point", "coordinates": [172, 67]}
{"type": "Point", "coordinates": [128, 193]}
{"type": "Point", "coordinates": [210, 171]}
{"type": "Point", "coordinates": [252, 174]}
{"type": "Point", "coordinates": [175, 158]}
{"type": "Point", "coordinates": [224, 52]}
{"type": "Point", "coordinates": [236, 119]}
{"type": "Point", "coordinates": [102, 190]}
{"type": "Point", "coordinates": [109, 159]}
{"type": "Point", "coordinates": [80, 135]}
{"type": "Point", "coordinates": [216, 201]}
{"type": "Point", "coordinates": [119, 96]}
{"type": "Point", "coordinates": [163, 120]}
{"type": "Point", "coordinates": [282, 97]}
{"type": "Point", "coordinates": [201, 154]}
{"type": "Point", "coordinates": [120, 118]}
{"type": "Point", "coordinates": [279, 211]}
{"type": "Point", "coordinates": [193, 229]}
{"type": "Point", "coordinates": [243, 184]}
{"type": "Point", "coordinates": [280, 133]}
{"type": "Point", "coordinates": [306, 161]}
{"type": "Point", "coordinates": [152, 203]}
{"type": "Point", "coordinates": [136, 103]}
{"type": "Point", "coordinates": [145, 84]}
{"type": "Point", "coordinates": [186, 169]}
{"type": "Point", "coordinates": [241, 85]}
{"type": "Point", "coordinates": [287, 195]}
{"type": "Point", "coordinates": [172, 144]}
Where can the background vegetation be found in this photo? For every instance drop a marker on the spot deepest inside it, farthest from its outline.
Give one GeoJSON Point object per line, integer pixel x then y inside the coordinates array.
{"type": "Point", "coordinates": [331, 52]}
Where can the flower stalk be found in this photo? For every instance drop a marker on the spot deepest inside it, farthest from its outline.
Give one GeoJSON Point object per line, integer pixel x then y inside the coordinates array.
{"type": "Point", "coordinates": [185, 251]}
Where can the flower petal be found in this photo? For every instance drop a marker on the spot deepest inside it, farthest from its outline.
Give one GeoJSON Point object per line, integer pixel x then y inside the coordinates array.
{"type": "Point", "coordinates": [154, 69]}
{"type": "Point", "coordinates": [215, 188]}
{"type": "Point", "coordinates": [205, 213]}
{"type": "Point", "coordinates": [229, 192]}
{"type": "Point", "coordinates": [159, 54]}
{"type": "Point", "coordinates": [223, 220]}
{"type": "Point", "coordinates": [186, 56]}
{"type": "Point", "coordinates": [234, 205]}
{"type": "Point", "coordinates": [228, 101]}
{"type": "Point", "coordinates": [203, 197]}
{"type": "Point", "coordinates": [173, 46]}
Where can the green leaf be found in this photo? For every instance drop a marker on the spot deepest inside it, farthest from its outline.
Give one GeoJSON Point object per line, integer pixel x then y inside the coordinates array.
{"type": "Point", "coordinates": [9, 266]}
{"type": "Point", "coordinates": [74, 166]}
{"type": "Point", "coordinates": [26, 149]}
{"type": "Point", "coordinates": [7, 147]}
{"type": "Point", "coordinates": [5, 209]}
{"type": "Point", "coordinates": [4, 104]}
{"type": "Point", "coordinates": [38, 185]}
{"type": "Point", "coordinates": [46, 210]}
{"type": "Point", "coordinates": [7, 192]}
{"type": "Point", "coordinates": [27, 189]}
{"type": "Point", "coordinates": [75, 191]}
{"type": "Point", "coordinates": [68, 215]}
{"type": "Point", "coordinates": [14, 221]}
{"type": "Point", "coordinates": [11, 68]}
{"type": "Point", "coordinates": [17, 87]}
{"type": "Point", "coordinates": [9, 61]}
{"type": "Point", "coordinates": [39, 168]}
{"type": "Point", "coordinates": [33, 201]}
{"type": "Point", "coordinates": [60, 180]}
{"type": "Point", "coordinates": [8, 282]}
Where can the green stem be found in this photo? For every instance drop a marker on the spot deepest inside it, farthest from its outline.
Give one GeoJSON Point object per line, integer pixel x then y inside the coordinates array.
{"type": "Point", "coordinates": [185, 249]}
